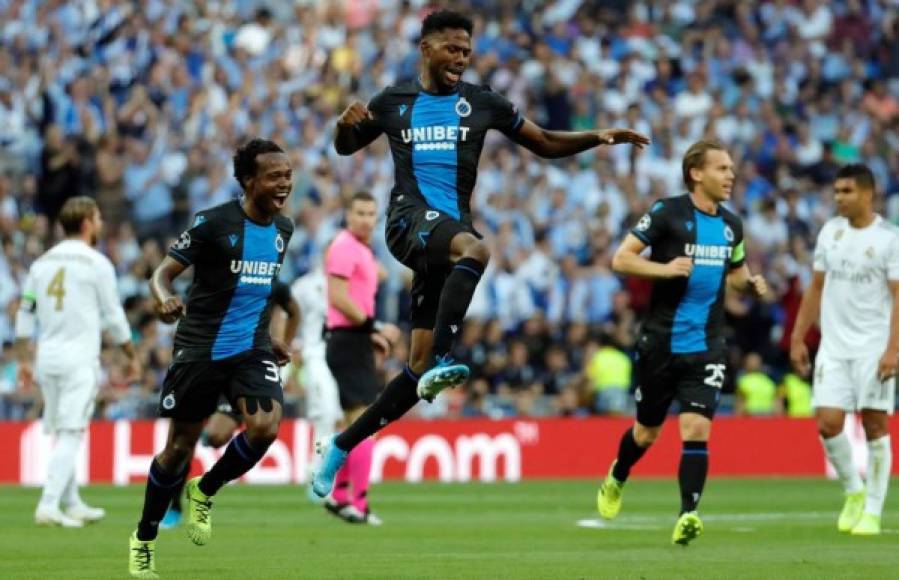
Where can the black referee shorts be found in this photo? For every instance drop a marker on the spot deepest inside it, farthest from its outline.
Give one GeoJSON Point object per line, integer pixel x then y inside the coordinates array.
{"type": "Point", "coordinates": [351, 359]}
{"type": "Point", "coordinates": [420, 237]}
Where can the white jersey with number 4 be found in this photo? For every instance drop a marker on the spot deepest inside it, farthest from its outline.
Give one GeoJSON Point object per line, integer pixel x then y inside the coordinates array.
{"type": "Point", "coordinates": [856, 303]}
{"type": "Point", "coordinates": [310, 293]}
{"type": "Point", "coordinates": [71, 291]}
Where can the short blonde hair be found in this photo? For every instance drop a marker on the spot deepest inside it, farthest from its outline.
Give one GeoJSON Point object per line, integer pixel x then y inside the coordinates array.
{"type": "Point", "coordinates": [74, 211]}
{"type": "Point", "coordinates": [694, 158]}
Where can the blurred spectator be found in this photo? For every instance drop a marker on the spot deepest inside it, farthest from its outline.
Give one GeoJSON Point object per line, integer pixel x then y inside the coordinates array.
{"type": "Point", "coordinates": [795, 396]}
{"type": "Point", "coordinates": [608, 371]}
{"type": "Point", "coordinates": [756, 392]}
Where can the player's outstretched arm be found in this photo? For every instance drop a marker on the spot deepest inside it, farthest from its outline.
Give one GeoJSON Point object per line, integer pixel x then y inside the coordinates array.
{"type": "Point", "coordinates": [628, 261]}
{"type": "Point", "coordinates": [555, 144]}
{"type": "Point", "coordinates": [808, 314]}
{"type": "Point", "coordinates": [168, 306]}
{"type": "Point", "coordinates": [356, 128]}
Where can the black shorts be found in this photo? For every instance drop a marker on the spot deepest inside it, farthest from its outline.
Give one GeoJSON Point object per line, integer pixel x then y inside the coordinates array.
{"type": "Point", "coordinates": [351, 359]}
{"type": "Point", "coordinates": [419, 237]}
{"type": "Point", "coordinates": [694, 379]}
{"type": "Point", "coordinates": [191, 389]}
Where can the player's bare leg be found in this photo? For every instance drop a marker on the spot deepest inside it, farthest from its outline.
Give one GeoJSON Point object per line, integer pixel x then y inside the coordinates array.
{"type": "Point", "coordinates": [219, 429]}
{"type": "Point", "coordinates": [839, 452]}
{"type": "Point", "coordinates": [262, 418]}
{"type": "Point", "coordinates": [880, 462]}
{"type": "Point", "coordinates": [217, 432]}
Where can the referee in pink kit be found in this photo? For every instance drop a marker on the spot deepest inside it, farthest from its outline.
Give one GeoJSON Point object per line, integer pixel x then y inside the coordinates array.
{"type": "Point", "coordinates": [352, 334]}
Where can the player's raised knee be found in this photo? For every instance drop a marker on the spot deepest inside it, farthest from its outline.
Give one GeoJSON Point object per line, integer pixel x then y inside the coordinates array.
{"type": "Point", "coordinates": [262, 428]}
{"type": "Point", "coordinates": [479, 251]}
{"type": "Point", "coordinates": [646, 436]}
{"type": "Point", "coordinates": [217, 439]}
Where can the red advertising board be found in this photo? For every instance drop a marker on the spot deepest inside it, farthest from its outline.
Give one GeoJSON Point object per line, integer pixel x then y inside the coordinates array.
{"type": "Point", "coordinates": [453, 451]}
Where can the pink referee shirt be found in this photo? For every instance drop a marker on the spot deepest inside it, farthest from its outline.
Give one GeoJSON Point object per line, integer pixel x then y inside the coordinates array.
{"type": "Point", "coordinates": [349, 258]}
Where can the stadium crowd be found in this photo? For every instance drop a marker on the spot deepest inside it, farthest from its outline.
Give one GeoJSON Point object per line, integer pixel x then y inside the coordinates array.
{"type": "Point", "coordinates": [140, 104]}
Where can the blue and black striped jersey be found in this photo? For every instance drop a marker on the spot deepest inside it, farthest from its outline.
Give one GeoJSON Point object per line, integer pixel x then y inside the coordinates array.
{"type": "Point", "coordinates": [689, 312]}
{"type": "Point", "coordinates": [236, 261]}
{"type": "Point", "coordinates": [436, 140]}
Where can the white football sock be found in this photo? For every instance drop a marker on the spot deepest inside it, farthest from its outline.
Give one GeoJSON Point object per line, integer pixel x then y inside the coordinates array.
{"type": "Point", "coordinates": [839, 452]}
{"type": "Point", "coordinates": [61, 468]}
{"type": "Point", "coordinates": [880, 462]}
{"type": "Point", "coordinates": [70, 495]}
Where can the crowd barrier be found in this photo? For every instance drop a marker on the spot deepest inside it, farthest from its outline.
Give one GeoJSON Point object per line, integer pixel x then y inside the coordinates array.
{"type": "Point", "coordinates": [119, 452]}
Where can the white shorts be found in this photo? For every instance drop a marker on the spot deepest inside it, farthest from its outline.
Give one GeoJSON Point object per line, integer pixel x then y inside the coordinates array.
{"type": "Point", "coordinates": [322, 396]}
{"type": "Point", "coordinates": [68, 398]}
{"type": "Point", "coordinates": [852, 384]}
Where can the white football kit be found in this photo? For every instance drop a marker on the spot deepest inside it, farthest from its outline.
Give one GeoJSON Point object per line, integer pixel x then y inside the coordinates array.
{"type": "Point", "coordinates": [70, 297]}
{"type": "Point", "coordinates": [322, 397]}
{"type": "Point", "coordinates": [856, 306]}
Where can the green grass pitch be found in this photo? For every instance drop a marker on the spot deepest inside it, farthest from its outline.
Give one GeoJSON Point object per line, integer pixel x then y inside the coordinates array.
{"type": "Point", "coordinates": [753, 529]}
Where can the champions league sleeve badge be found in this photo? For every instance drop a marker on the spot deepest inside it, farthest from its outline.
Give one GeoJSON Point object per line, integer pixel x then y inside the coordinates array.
{"type": "Point", "coordinates": [463, 107]}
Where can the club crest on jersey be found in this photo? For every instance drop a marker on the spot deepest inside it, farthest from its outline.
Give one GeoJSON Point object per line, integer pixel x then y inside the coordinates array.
{"type": "Point", "coordinates": [870, 252]}
{"type": "Point", "coordinates": [183, 242]}
{"type": "Point", "coordinates": [644, 223]}
{"type": "Point", "coordinates": [838, 235]}
{"type": "Point", "coordinates": [279, 243]}
{"type": "Point", "coordinates": [463, 107]}
{"type": "Point", "coordinates": [431, 215]}
{"type": "Point", "coordinates": [728, 234]}
{"type": "Point", "coordinates": [168, 403]}
{"type": "Point", "coordinates": [403, 110]}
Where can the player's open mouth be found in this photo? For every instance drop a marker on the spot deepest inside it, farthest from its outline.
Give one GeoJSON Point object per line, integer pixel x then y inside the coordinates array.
{"type": "Point", "coordinates": [453, 75]}
{"type": "Point", "coordinates": [280, 198]}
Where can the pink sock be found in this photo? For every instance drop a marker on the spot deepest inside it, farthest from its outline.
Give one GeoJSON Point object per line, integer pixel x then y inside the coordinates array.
{"type": "Point", "coordinates": [341, 491]}
{"type": "Point", "coordinates": [360, 472]}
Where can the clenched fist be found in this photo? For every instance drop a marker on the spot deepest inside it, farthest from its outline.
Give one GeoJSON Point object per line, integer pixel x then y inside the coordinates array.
{"type": "Point", "coordinates": [170, 310]}
{"type": "Point", "coordinates": [354, 114]}
{"type": "Point", "coordinates": [679, 267]}
{"type": "Point", "coordinates": [757, 286]}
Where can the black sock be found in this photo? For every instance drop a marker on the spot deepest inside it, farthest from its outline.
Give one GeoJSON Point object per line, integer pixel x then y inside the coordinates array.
{"type": "Point", "coordinates": [397, 397]}
{"type": "Point", "coordinates": [179, 491]}
{"type": "Point", "coordinates": [454, 300]}
{"type": "Point", "coordinates": [239, 458]}
{"type": "Point", "coordinates": [629, 453]}
{"type": "Point", "coordinates": [694, 466]}
{"type": "Point", "coordinates": [161, 485]}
